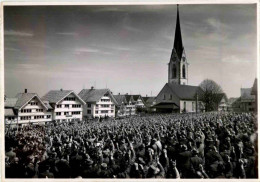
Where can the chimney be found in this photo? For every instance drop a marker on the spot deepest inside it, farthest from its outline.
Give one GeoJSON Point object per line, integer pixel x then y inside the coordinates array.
{"type": "Point", "coordinates": [146, 95]}
{"type": "Point", "coordinates": [118, 93]}
{"type": "Point", "coordinates": [92, 88]}
{"type": "Point", "coordinates": [126, 93]}
{"type": "Point", "coordinates": [25, 90]}
{"type": "Point", "coordinates": [61, 89]}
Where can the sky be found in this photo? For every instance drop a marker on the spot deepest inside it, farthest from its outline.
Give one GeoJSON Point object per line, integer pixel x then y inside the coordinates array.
{"type": "Point", "coordinates": [126, 48]}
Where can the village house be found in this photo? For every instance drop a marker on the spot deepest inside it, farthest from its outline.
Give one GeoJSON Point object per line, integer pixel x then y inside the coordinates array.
{"type": "Point", "coordinates": [66, 104]}
{"type": "Point", "coordinates": [99, 103]}
{"type": "Point", "coordinates": [27, 108]}
{"type": "Point", "coordinates": [121, 109]}
{"type": "Point", "coordinates": [149, 103]}
{"type": "Point", "coordinates": [247, 101]}
{"type": "Point", "coordinates": [222, 102]}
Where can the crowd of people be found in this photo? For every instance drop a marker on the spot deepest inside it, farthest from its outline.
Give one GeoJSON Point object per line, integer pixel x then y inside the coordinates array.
{"type": "Point", "coordinates": [206, 145]}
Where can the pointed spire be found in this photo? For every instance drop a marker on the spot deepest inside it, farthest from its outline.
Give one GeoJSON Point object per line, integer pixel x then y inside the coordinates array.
{"type": "Point", "coordinates": [178, 46]}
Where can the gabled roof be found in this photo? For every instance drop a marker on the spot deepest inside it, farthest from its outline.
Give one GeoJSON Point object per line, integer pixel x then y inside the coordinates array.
{"type": "Point", "coordinates": [232, 100]}
{"type": "Point", "coordinates": [185, 92]}
{"type": "Point", "coordinates": [47, 104]}
{"type": "Point", "coordinates": [128, 98]}
{"type": "Point", "coordinates": [24, 98]}
{"type": "Point", "coordinates": [9, 112]}
{"type": "Point", "coordinates": [220, 96]}
{"type": "Point", "coordinates": [55, 96]}
{"type": "Point", "coordinates": [149, 100]}
{"type": "Point", "coordinates": [120, 99]}
{"type": "Point", "coordinates": [136, 97]}
{"type": "Point", "coordinates": [94, 95]}
{"type": "Point", "coordinates": [10, 102]}
{"type": "Point", "coordinates": [246, 94]}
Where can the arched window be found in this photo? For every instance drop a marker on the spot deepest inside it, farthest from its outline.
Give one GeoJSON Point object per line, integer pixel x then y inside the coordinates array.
{"type": "Point", "coordinates": [183, 72]}
{"type": "Point", "coordinates": [174, 71]}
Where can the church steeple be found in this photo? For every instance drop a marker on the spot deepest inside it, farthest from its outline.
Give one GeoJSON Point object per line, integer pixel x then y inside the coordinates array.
{"type": "Point", "coordinates": [178, 46]}
{"type": "Point", "coordinates": [178, 66]}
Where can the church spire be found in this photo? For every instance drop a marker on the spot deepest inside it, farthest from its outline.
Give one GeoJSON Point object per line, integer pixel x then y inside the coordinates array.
{"type": "Point", "coordinates": [178, 46]}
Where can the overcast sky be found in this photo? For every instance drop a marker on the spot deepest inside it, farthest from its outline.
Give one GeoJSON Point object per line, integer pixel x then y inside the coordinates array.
{"type": "Point", "coordinates": [126, 48]}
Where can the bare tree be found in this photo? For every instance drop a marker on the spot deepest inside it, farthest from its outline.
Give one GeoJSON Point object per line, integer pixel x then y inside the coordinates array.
{"type": "Point", "coordinates": [210, 94]}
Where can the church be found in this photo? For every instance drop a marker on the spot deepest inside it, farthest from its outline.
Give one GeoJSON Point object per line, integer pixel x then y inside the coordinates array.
{"type": "Point", "coordinates": [176, 95]}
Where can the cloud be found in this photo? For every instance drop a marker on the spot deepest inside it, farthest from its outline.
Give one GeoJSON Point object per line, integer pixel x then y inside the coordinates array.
{"type": "Point", "coordinates": [67, 33]}
{"type": "Point", "coordinates": [109, 9]}
{"type": "Point", "coordinates": [91, 50]}
{"type": "Point", "coordinates": [18, 33]}
{"type": "Point", "coordinates": [235, 59]}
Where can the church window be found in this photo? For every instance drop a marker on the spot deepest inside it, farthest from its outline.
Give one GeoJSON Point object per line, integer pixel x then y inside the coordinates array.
{"type": "Point", "coordinates": [183, 71]}
{"type": "Point", "coordinates": [174, 71]}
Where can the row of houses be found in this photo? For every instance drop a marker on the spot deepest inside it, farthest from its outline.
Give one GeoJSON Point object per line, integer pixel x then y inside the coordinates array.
{"type": "Point", "coordinates": [66, 105]}
{"type": "Point", "coordinates": [247, 102]}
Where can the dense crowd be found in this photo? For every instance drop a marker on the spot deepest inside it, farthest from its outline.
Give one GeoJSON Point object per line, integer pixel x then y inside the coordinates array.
{"type": "Point", "coordinates": [207, 145]}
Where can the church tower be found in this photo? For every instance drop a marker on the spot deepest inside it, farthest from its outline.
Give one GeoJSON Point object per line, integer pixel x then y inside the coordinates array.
{"type": "Point", "coordinates": [178, 65]}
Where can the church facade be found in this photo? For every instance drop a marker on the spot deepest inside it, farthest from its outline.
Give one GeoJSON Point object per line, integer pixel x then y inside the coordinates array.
{"type": "Point", "coordinates": [176, 95]}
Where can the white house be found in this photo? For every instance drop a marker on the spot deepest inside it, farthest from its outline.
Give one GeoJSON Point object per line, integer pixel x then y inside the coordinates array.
{"type": "Point", "coordinates": [66, 104]}
{"type": "Point", "coordinates": [130, 106]}
{"type": "Point", "coordinates": [121, 109]}
{"type": "Point", "coordinates": [99, 103]}
{"type": "Point", "coordinates": [26, 108]}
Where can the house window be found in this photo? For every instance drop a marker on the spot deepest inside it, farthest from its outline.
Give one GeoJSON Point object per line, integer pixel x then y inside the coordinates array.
{"type": "Point", "coordinates": [67, 105]}
{"type": "Point", "coordinates": [170, 96]}
{"type": "Point", "coordinates": [96, 112]}
{"type": "Point", "coordinates": [89, 111]}
{"type": "Point", "coordinates": [174, 71]}
{"type": "Point", "coordinates": [89, 105]}
{"type": "Point", "coordinates": [164, 97]}
{"type": "Point", "coordinates": [58, 113]}
{"type": "Point", "coordinates": [104, 111]}
{"type": "Point", "coordinates": [193, 106]}
{"type": "Point", "coordinates": [66, 113]}
{"type": "Point", "coordinates": [59, 106]}
{"type": "Point", "coordinates": [184, 103]}
{"type": "Point", "coordinates": [70, 99]}
{"type": "Point", "coordinates": [75, 113]}
{"type": "Point", "coordinates": [48, 116]}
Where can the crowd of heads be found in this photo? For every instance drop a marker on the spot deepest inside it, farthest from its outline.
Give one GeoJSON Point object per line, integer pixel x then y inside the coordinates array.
{"type": "Point", "coordinates": [206, 145]}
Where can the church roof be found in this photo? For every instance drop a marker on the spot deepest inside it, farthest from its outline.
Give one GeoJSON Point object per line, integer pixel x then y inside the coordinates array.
{"type": "Point", "coordinates": [185, 92]}
{"type": "Point", "coordinates": [178, 46]}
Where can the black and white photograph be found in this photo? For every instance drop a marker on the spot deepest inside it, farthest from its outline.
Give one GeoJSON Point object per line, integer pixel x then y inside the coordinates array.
{"type": "Point", "coordinates": [130, 91]}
